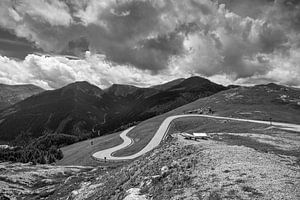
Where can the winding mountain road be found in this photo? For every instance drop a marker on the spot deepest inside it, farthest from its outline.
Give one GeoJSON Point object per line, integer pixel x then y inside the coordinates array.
{"type": "Point", "coordinates": [163, 130]}
{"type": "Point", "coordinates": [108, 152]}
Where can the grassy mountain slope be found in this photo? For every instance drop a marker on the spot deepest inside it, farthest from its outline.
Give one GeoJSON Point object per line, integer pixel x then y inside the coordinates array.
{"type": "Point", "coordinates": [168, 85]}
{"type": "Point", "coordinates": [261, 102]}
{"type": "Point", "coordinates": [121, 90]}
{"type": "Point", "coordinates": [64, 110]}
{"type": "Point", "coordinates": [11, 94]}
{"type": "Point", "coordinates": [81, 108]}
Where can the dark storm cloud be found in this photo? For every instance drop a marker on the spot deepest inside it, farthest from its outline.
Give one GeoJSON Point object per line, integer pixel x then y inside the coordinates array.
{"type": "Point", "coordinates": [152, 53]}
{"type": "Point", "coordinates": [124, 38]}
{"type": "Point", "coordinates": [202, 7]}
{"type": "Point", "coordinates": [127, 32]}
{"type": "Point", "coordinates": [247, 8]}
{"type": "Point", "coordinates": [77, 46]}
{"type": "Point", "coordinates": [271, 39]}
{"type": "Point", "coordinates": [286, 13]}
{"type": "Point", "coordinates": [240, 53]}
{"type": "Point", "coordinates": [15, 47]}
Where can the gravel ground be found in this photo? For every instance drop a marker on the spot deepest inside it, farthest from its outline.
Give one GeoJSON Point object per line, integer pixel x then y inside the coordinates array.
{"type": "Point", "coordinates": [238, 172]}
{"type": "Point", "coordinates": [19, 181]}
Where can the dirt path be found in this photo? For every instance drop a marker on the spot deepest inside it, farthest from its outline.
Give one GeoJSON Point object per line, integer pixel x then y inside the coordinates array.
{"type": "Point", "coordinates": [163, 129]}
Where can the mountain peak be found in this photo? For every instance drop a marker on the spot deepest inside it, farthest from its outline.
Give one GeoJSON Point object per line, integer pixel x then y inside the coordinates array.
{"type": "Point", "coordinates": [79, 83]}
{"type": "Point", "coordinates": [85, 87]}
{"type": "Point", "coordinates": [80, 107]}
{"type": "Point", "coordinates": [196, 83]}
{"type": "Point", "coordinates": [272, 86]}
{"type": "Point", "coordinates": [123, 85]}
{"type": "Point", "coordinates": [197, 79]}
{"type": "Point", "coordinates": [168, 85]}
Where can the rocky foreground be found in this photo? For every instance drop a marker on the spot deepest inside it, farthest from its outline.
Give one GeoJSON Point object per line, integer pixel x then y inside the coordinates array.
{"type": "Point", "coordinates": [19, 181]}
{"type": "Point", "coordinates": [227, 166]}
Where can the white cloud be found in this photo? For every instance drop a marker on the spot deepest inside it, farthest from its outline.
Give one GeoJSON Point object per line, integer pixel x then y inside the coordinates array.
{"type": "Point", "coordinates": [53, 12]}
{"type": "Point", "coordinates": [57, 71]}
{"type": "Point", "coordinates": [90, 11]}
{"type": "Point", "coordinates": [286, 68]}
{"type": "Point", "coordinates": [39, 21]}
{"type": "Point", "coordinates": [52, 72]}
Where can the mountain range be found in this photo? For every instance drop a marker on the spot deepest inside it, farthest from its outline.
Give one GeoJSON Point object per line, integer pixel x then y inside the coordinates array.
{"type": "Point", "coordinates": [81, 108]}
{"type": "Point", "coordinates": [11, 94]}
{"type": "Point", "coordinates": [263, 102]}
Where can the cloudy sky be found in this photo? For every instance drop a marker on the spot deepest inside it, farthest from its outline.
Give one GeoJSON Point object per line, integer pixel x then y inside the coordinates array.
{"type": "Point", "coordinates": [51, 43]}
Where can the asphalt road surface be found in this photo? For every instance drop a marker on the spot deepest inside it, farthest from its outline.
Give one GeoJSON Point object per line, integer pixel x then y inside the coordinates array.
{"type": "Point", "coordinates": [163, 130]}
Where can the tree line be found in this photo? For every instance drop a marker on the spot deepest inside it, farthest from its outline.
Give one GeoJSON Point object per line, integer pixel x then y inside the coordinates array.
{"type": "Point", "coordinates": [42, 150]}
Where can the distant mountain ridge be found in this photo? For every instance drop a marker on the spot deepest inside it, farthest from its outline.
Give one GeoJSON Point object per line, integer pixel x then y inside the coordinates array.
{"type": "Point", "coordinates": [81, 108]}
{"type": "Point", "coordinates": [11, 94]}
{"type": "Point", "coordinates": [263, 102]}
{"type": "Point", "coordinates": [168, 85]}
{"type": "Point", "coordinates": [121, 90]}
{"type": "Point", "coordinates": [85, 87]}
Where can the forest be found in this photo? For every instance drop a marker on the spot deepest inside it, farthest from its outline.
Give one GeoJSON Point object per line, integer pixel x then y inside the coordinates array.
{"type": "Point", "coordinates": [43, 150]}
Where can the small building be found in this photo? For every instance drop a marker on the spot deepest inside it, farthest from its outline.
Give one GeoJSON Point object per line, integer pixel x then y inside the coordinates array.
{"type": "Point", "coordinates": [5, 146]}
{"type": "Point", "coordinates": [201, 135]}
{"type": "Point", "coordinates": [195, 136]}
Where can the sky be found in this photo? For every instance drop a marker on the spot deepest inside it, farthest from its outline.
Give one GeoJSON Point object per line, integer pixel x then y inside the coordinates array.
{"type": "Point", "coordinates": [51, 43]}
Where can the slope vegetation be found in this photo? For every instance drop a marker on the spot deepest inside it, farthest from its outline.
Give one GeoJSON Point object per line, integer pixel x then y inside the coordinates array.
{"type": "Point", "coordinates": [261, 102]}
{"type": "Point", "coordinates": [11, 94]}
{"type": "Point", "coordinates": [82, 109]}
{"type": "Point", "coordinates": [258, 103]}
